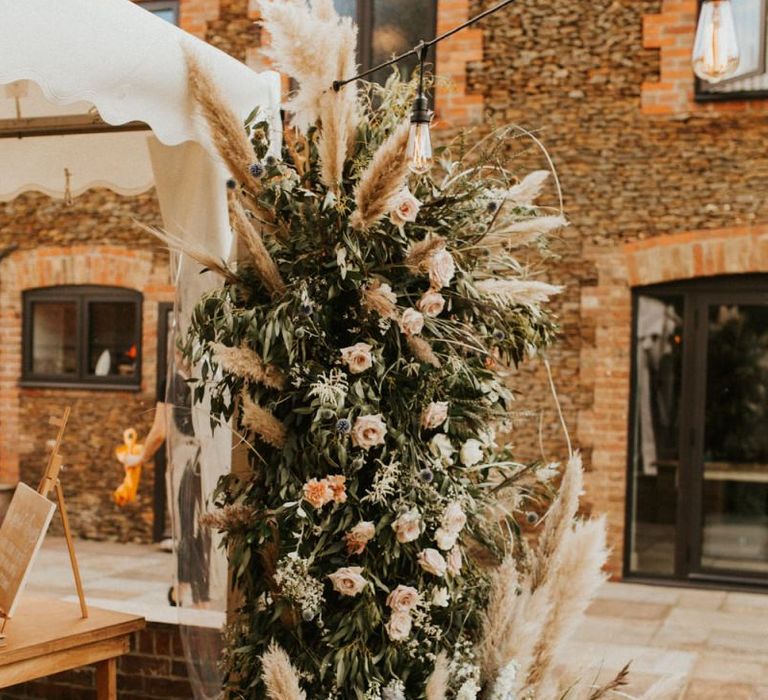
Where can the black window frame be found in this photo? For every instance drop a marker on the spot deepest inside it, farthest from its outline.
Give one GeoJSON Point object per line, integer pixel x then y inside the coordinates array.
{"type": "Point", "coordinates": [158, 5]}
{"type": "Point", "coordinates": [695, 292]}
{"type": "Point", "coordinates": [365, 24]}
{"type": "Point", "coordinates": [700, 94]}
{"type": "Point", "coordinates": [82, 296]}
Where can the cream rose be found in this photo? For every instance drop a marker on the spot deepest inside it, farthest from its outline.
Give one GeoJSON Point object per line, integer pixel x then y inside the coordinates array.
{"type": "Point", "coordinates": [408, 526]}
{"type": "Point", "coordinates": [454, 561]}
{"type": "Point", "coordinates": [431, 304]}
{"type": "Point", "coordinates": [359, 536]}
{"type": "Point", "coordinates": [471, 452]}
{"type": "Point", "coordinates": [357, 357]}
{"type": "Point", "coordinates": [399, 626]}
{"type": "Point", "coordinates": [440, 446]}
{"type": "Point", "coordinates": [454, 519]}
{"type": "Point", "coordinates": [434, 415]}
{"type": "Point", "coordinates": [432, 562]}
{"type": "Point", "coordinates": [411, 322]}
{"type": "Point", "coordinates": [348, 580]}
{"type": "Point", "coordinates": [403, 599]}
{"type": "Point", "coordinates": [445, 538]}
{"type": "Point", "coordinates": [441, 268]}
{"type": "Point", "coordinates": [440, 598]}
{"type": "Point", "coordinates": [368, 431]}
{"type": "Point", "coordinates": [404, 208]}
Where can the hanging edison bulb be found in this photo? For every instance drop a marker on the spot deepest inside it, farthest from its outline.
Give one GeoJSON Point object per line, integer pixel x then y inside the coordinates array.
{"type": "Point", "coordinates": [419, 152]}
{"type": "Point", "coordinates": [716, 50]}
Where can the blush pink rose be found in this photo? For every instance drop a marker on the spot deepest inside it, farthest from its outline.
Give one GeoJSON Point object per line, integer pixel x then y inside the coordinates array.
{"type": "Point", "coordinates": [348, 580]}
{"type": "Point", "coordinates": [357, 357]}
{"type": "Point", "coordinates": [434, 415]}
{"type": "Point", "coordinates": [403, 599]}
{"type": "Point", "coordinates": [368, 431]}
{"type": "Point", "coordinates": [432, 562]}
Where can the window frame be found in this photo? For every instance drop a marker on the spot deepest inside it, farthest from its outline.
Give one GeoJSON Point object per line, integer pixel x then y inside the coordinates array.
{"type": "Point", "coordinates": [687, 540]}
{"type": "Point", "coordinates": [365, 23]}
{"type": "Point", "coordinates": [155, 5]}
{"type": "Point", "coordinates": [83, 296]}
{"type": "Point", "coordinates": [700, 94]}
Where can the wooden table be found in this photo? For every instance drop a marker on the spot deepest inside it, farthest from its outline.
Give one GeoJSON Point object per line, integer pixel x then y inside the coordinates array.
{"type": "Point", "coordinates": [48, 636]}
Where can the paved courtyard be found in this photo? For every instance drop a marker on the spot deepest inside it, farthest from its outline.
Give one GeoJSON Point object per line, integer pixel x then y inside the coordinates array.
{"type": "Point", "coordinates": [717, 641]}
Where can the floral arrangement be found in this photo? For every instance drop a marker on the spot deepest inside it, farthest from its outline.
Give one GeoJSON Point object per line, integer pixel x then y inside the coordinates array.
{"type": "Point", "coordinates": [361, 345]}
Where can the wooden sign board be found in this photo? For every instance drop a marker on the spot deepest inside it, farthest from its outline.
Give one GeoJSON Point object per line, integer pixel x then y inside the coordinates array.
{"type": "Point", "coordinates": [21, 535]}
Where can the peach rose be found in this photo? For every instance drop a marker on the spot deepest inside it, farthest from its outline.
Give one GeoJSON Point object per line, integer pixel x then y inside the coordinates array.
{"type": "Point", "coordinates": [403, 599]}
{"type": "Point", "coordinates": [318, 493]}
{"type": "Point", "coordinates": [431, 304]}
{"type": "Point", "coordinates": [434, 415]}
{"type": "Point", "coordinates": [454, 519]}
{"type": "Point", "coordinates": [455, 561]}
{"type": "Point", "coordinates": [348, 580]}
{"type": "Point", "coordinates": [359, 536]}
{"type": "Point", "coordinates": [408, 526]}
{"type": "Point", "coordinates": [411, 322]}
{"type": "Point", "coordinates": [357, 357]}
{"type": "Point", "coordinates": [404, 208]}
{"type": "Point", "coordinates": [432, 562]}
{"type": "Point", "coordinates": [368, 431]}
{"type": "Point", "coordinates": [441, 268]}
{"type": "Point", "coordinates": [337, 484]}
{"type": "Point", "coordinates": [399, 626]}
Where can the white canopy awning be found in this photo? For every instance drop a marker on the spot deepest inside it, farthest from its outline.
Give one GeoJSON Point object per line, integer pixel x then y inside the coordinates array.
{"type": "Point", "coordinates": [64, 59]}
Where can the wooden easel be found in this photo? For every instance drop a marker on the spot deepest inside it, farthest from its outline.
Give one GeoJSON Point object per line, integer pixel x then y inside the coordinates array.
{"type": "Point", "coordinates": [51, 481]}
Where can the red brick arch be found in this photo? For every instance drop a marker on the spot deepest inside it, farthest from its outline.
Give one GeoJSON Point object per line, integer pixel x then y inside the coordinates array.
{"type": "Point", "coordinates": [53, 266]}
{"type": "Point", "coordinates": [605, 365]}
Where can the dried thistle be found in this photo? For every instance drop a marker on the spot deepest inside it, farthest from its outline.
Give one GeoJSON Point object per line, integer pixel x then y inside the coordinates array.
{"type": "Point", "coordinates": [437, 684]}
{"type": "Point", "coordinates": [263, 263]}
{"type": "Point", "coordinates": [422, 350]}
{"type": "Point", "coordinates": [262, 422]}
{"type": "Point", "coordinates": [380, 299]}
{"type": "Point", "coordinates": [419, 253]}
{"type": "Point", "coordinates": [227, 130]}
{"type": "Point", "coordinates": [280, 677]}
{"type": "Point", "coordinates": [244, 362]}
{"type": "Point", "coordinates": [382, 179]}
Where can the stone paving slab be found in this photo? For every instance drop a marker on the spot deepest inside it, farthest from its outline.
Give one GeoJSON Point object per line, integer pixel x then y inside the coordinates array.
{"type": "Point", "coordinates": [716, 640]}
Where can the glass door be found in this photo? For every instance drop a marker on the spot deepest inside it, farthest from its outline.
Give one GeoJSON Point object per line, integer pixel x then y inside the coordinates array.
{"type": "Point", "coordinates": [729, 438]}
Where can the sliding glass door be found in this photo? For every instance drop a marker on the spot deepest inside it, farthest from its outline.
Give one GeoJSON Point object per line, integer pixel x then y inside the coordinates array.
{"type": "Point", "coordinates": [698, 468]}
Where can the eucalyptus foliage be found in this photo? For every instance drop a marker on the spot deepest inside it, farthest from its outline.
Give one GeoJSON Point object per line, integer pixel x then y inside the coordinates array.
{"type": "Point", "coordinates": [281, 548]}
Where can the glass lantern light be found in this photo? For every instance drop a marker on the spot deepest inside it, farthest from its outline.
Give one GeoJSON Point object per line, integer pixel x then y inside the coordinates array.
{"type": "Point", "coordinates": [716, 50]}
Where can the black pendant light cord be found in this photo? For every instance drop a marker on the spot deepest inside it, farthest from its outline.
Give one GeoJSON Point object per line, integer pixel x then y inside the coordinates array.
{"type": "Point", "coordinates": [421, 49]}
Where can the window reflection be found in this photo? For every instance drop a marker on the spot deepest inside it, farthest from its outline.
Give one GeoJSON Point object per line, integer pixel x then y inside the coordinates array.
{"type": "Point", "coordinates": [655, 453]}
{"type": "Point", "coordinates": [54, 338]}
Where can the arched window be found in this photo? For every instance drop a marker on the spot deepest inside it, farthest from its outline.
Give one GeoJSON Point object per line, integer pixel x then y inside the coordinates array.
{"type": "Point", "coordinates": [82, 335]}
{"type": "Point", "coordinates": [389, 27]}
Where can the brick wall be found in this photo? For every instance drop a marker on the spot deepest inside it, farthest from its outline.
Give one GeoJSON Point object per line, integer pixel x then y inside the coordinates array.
{"type": "Point", "coordinates": [154, 670]}
{"type": "Point", "coordinates": [98, 417]}
{"type": "Point", "coordinates": [637, 182]}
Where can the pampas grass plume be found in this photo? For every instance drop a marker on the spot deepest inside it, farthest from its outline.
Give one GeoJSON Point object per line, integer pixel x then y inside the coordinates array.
{"type": "Point", "coordinates": [227, 130]}
{"type": "Point", "coordinates": [437, 684]}
{"type": "Point", "coordinates": [280, 677]}
{"type": "Point", "coordinates": [244, 362]}
{"type": "Point", "coordinates": [263, 263]}
{"type": "Point", "coordinates": [522, 292]}
{"type": "Point", "coordinates": [382, 179]}
{"type": "Point", "coordinates": [422, 350]}
{"type": "Point", "coordinates": [263, 423]}
{"type": "Point", "coordinates": [529, 189]}
{"type": "Point", "coordinates": [419, 253]}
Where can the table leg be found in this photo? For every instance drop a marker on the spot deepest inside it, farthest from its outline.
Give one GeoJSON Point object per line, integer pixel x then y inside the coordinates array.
{"type": "Point", "coordinates": [106, 680]}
